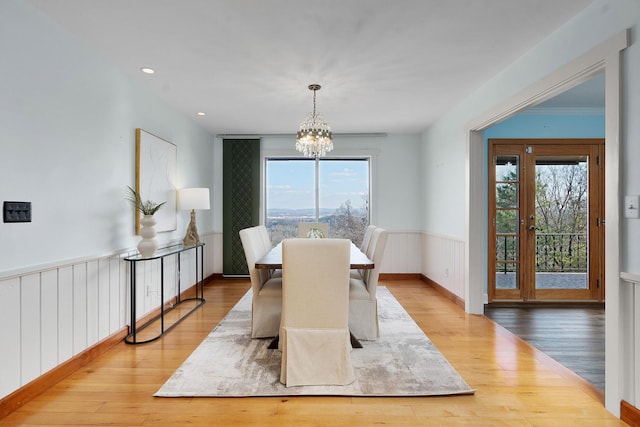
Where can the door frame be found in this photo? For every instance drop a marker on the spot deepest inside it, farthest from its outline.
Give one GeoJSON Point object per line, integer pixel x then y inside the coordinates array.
{"type": "Point", "coordinates": [526, 243]}
{"type": "Point", "coordinates": [605, 57]}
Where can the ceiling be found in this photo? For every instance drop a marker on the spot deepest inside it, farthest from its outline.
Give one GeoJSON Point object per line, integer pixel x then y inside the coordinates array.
{"type": "Point", "coordinates": [585, 98]}
{"type": "Point", "coordinates": [385, 66]}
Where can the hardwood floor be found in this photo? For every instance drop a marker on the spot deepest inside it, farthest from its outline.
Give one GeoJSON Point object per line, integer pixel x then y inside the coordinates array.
{"type": "Point", "coordinates": [574, 336]}
{"type": "Point", "coordinates": [516, 384]}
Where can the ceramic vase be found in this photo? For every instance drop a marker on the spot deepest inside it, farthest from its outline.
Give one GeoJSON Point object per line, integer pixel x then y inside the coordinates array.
{"type": "Point", "coordinates": [148, 245]}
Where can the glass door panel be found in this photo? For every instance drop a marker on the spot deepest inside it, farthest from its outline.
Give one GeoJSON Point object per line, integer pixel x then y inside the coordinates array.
{"type": "Point", "coordinates": [506, 222]}
{"type": "Point", "coordinates": [562, 219]}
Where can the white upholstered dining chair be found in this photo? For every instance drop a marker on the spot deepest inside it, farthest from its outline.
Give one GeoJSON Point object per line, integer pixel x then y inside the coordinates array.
{"type": "Point", "coordinates": [366, 239]}
{"type": "Point", "coordinates": [364, 248]}
{"type": "Point", "coordinates": [314, 336]}
{"type": "Point", "coordinates": [363, 303]}
{"type": "Point", "coordinates": [266, 305]}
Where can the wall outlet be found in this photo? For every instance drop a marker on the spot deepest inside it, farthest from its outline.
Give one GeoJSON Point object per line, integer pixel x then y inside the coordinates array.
{"type": "Point", "coordinates": [16, 211]}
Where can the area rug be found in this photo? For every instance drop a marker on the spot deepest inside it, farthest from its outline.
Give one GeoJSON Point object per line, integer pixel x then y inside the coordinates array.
{"type": "Point", "coordinates": [402, 362]}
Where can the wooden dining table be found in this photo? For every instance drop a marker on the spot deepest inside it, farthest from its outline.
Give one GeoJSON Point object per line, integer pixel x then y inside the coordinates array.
{"type": "Point", "coordinates": [273, 259]}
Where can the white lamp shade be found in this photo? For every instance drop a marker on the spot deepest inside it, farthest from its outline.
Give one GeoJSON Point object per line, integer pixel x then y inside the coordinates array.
{"type": "Point", "coordinates": [193, 198]}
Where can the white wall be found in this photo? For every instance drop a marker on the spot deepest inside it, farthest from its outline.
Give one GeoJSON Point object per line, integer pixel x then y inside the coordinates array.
{"type": "Point", "coordinates": [447, 140]}
{"type": "Point", "coordinates": [395, 199]}
{"type": "Point", "coordinates": [396, 171]}
{"type": "Point", "coordinates": [67, 145]}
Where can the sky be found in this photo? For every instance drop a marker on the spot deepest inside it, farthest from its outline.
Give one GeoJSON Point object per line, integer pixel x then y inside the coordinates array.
{"type": "Point", "coordinates": [291, 183]}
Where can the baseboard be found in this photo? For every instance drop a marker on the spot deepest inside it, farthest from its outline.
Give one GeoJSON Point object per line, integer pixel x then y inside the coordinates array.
{"type": "Point", "coordinates": [399, 276]}
{"type": "Point", "coordinates": [629, 414]}
{"type": "Point", "coordinates": [444, 291]}
{"type": "Point", "coordinates": [31, 390]}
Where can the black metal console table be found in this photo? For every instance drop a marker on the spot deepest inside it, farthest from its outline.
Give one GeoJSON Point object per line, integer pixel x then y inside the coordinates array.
{"type": "Point", "coordinates": [160, 255]}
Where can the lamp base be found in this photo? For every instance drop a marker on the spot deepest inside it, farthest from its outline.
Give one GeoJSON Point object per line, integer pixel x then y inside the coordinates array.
{"type": "Point", "coordinates": [191, 238]}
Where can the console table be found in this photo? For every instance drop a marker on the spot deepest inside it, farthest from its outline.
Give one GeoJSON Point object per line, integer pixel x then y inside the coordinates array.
{"type": "Point", "coordinates": [161, 255]}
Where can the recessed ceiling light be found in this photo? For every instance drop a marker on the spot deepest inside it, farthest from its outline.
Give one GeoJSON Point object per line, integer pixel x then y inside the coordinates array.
{"type": "Point", "coordinates": [201, 113]}
{"type": "Point", "coordinates": [148, 70]}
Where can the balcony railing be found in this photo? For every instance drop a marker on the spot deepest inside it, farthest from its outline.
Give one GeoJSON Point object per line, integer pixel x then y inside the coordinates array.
{"type": "Point", "coordinates": [555, 252]}
{"type": "Point", "coordinates": [564, 252]}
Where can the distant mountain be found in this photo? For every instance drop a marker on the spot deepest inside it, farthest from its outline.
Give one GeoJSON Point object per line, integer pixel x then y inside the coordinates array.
{"type": "Point", "coordinates": [297, 213]}
{"type": "Point", "coordinates": [304, 213]}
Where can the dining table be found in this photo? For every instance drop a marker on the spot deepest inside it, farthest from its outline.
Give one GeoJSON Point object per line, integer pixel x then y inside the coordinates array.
{"type": "Point", "coordinates": [358, 260]}
{"type": "Point", "coordinates": [273, 259]}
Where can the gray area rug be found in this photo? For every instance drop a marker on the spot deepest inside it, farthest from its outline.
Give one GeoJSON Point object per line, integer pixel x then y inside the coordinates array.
{"type": "Point", "coordinates": [402, 362]}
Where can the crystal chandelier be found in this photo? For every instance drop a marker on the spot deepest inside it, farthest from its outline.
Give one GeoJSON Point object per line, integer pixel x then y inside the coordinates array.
{"type": "Point", "coordinates": [314, 136]}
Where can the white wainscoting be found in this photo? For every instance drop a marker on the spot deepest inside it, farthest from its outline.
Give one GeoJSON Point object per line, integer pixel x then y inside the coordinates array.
{"type": "Point", "coordinates": [630, 315]}
{"type": "Point", "coordinates": [403, 253]}
{"type": "Point", "coordinates": [443, 262]}
{"type": "Point", "coordinates": [52, 314]}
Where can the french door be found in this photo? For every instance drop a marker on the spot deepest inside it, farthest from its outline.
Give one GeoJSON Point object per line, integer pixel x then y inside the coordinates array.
{"type": "Point", "coordinates": [546, 220]}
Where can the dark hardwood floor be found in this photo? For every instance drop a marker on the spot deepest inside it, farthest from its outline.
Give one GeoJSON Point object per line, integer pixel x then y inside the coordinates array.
{"type": "Point", "coordinates": [573, 336]}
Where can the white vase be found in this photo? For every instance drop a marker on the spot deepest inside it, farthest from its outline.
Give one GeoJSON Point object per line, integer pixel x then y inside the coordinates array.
{"type": "Point", "coordinates": [148, 245]}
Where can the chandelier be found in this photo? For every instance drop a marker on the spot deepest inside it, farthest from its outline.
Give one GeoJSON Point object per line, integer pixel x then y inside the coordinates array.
{"type": "Point", "coordinates": [314, 135]}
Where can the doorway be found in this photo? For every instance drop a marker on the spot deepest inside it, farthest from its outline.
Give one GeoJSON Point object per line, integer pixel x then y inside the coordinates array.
{"type": "Point", "coordinates": [546, 228]}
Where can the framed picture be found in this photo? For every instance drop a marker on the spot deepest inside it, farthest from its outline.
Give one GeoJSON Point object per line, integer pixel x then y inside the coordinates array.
{"type": "Point", "coordinates": [156, 178]}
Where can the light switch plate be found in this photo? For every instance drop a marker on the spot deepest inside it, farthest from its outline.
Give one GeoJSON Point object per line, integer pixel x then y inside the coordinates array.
{"type": "Point", "coordinates": [631, 206]}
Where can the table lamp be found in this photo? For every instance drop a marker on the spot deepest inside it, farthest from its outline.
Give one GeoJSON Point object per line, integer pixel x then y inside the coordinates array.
{"type": "Point", "coordinates": [192, 199]}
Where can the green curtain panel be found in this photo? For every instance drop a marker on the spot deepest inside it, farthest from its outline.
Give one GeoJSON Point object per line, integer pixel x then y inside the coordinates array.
{"type": "Point", "coordinates": [240, 199]}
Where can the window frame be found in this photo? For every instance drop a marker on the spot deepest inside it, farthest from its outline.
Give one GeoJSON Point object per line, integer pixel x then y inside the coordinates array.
{"type": "Point", "coordinates": [283, 156]}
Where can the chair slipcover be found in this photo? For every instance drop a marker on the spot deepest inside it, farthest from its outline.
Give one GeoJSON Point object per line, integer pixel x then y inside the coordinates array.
{"type": "Point", "coordinates": [266, 304]}
{"type": "Point", "coordinates": [364, 248]}
{"type": "Point", "coordinates": [314, 336]}
{"type": "Point", "coordinates": [304, 227]}
{"type": "Point", "coordinates": [264, 237]}
{"type": "Point", "coordinates": [363, 303]}
{"type": "Point", "coordinates": [366, 239]}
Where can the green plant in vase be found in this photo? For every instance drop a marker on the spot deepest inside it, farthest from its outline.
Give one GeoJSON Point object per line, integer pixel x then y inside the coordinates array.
{"type": "Point", "coordinates": [148, 245]}
{"type": "Point", "coordinates": [146, 207]}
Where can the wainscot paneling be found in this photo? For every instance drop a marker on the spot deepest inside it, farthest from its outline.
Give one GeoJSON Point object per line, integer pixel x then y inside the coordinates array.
{"type": "Point", "coordinates": [403, 253]}
{"type": "Point", "coordinates": [57, 312]}
{"type": "Point", "coordinates": [630, 312]}
{"type": "Point", "coordinates": [443, 261]}
{"type": "Point", "coordinates": [10, 335]}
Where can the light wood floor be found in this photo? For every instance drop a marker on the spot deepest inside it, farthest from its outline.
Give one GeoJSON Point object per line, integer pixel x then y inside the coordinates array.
{"type": "Point", "coordinates": [516, 384]}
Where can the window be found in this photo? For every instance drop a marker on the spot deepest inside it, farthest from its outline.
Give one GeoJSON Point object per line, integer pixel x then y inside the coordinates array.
{"type": "Point", "coordinates": [335, 191]}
